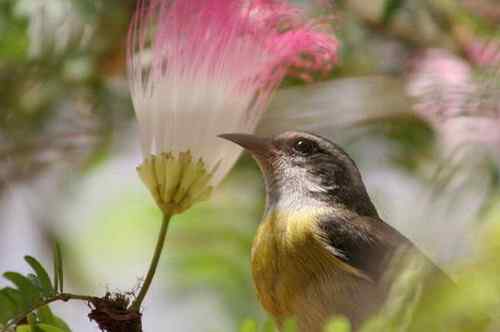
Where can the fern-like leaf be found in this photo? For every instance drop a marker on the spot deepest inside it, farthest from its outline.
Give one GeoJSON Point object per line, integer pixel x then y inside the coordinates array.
{"type": "Point", "coordinates": [45, 283]}
{"type": "Point", "coordinates": [24, 301]}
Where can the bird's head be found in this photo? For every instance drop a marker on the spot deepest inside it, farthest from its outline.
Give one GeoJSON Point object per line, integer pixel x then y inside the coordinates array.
{"type": "Point", "coordinates": [306, 169]}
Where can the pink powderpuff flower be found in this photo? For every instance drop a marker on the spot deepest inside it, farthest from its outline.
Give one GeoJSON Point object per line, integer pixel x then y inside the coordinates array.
{"type": "Point", "coordinates": [318, 50]}
{"type": "Point", "coordinates": [440, 83]}
{"type": "Point", "coordinates": [463, 109]}
{"type": "Point", "coordinates": [484, 53]}
{"type": "Point", "coordinates": [200, 68]}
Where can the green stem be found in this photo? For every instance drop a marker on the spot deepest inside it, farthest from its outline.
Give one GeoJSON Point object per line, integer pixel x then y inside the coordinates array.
{"type": "Point", "coordinates": [136, 305]}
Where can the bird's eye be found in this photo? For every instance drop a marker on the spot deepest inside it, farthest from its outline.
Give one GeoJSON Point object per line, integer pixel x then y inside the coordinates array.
{"type": "Point", "coordinates": [305, 147]}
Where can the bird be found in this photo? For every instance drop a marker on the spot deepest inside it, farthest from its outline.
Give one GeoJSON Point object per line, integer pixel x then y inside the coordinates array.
{"type": "Point", "coordinates": [321, 248]}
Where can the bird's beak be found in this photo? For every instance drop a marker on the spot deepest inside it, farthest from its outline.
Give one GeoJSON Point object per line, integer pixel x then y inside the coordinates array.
{"type": "Point", "coordinates": [259, 147]}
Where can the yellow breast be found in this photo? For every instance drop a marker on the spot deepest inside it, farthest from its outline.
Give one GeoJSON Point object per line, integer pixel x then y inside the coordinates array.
{"type": "Point", "coordinates": [285, 256]}
{"type": "Point", "coordinates": [297, 276]}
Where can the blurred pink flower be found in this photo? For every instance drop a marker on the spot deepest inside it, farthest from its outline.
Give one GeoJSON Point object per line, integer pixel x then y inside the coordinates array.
{"type": "Point", "coordinates": [441, 83]}
{"type": "Point", "coordinates": [199, 68]}
{"type": "Point", "coordinates": [484, 53]}
{"type": "Point", "coordinates": [463, 108]}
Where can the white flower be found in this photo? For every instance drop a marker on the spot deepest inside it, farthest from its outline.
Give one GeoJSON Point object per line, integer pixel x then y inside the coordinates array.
{"type": "Point", "coordinates": [198, 69]}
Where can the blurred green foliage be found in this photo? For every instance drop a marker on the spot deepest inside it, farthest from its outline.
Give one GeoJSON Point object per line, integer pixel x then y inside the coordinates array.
{"type": "Point", "coordinates": [56, 82]}
{"type": "Point", "coordinates": [391, 7]}
{"type": "Point", "coordinates": [14, 42]}
{"type": "Point", "coordinates": [413, 138]}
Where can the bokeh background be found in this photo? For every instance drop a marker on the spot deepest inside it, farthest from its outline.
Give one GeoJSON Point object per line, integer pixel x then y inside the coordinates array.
{"type": "Point", "coordinates": [415, 99]}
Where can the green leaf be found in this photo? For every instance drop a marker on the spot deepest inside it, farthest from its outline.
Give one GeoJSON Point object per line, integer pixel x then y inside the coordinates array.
{"type": "Point", "coordinates": [7, 308]}
{"type": "Point", "coordinates": [49, 328]}
{"type": "Point", "coordinates": [391, 7]}
{"type": "Point", "coordinates": [39, 327]}
{"type": "Point", "coordinates": [30, 293]}
{"type": "Point", "coordinates": [45, 315]}
{"type": "Point", "coordinates": [58, 269]}
{"type": "Point", "coordinates": [36, 282]}
{"type": "Point", "coordinates": [248, 326]}
{"type": "Point", "coordinates": [61, 324]}
{"type": "Point", "coordinates": [338, 324]}
{"type": "Point", "coordinates": [23, 328]}
{"type": "Point", "coordinates": [15, 297]}
{"type": "Point", "coordinates": [290, 325]}
{"type": "Point", "coordinates": [268, 326]}
{"type": "Point", "coordinates": [43, 276]}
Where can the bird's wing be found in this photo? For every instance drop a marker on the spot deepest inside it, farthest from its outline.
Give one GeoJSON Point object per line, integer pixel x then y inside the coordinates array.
{"type": "Point", "coordinates": [365, 244]}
